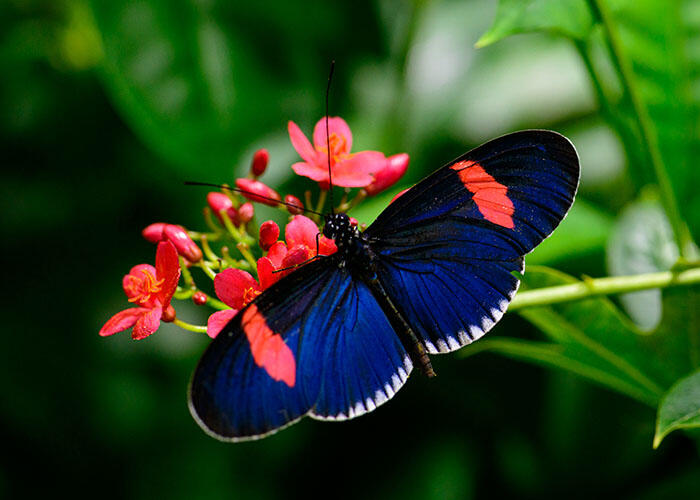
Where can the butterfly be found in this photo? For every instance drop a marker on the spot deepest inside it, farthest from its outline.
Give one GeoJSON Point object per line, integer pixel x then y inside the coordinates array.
{"type": "Point", "coordinates": [434, 272]}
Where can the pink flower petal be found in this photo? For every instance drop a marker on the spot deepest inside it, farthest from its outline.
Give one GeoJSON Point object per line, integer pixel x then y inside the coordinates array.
{"type": "Point", "coordinates": [312, 171]}
{"type": "Point", "coordinates": [394, 169]}
{"type": "Point", "coordinates": [326, 246]}
{"type": "Point", "coordinates": [218, 321]}
{"type": "Point", "coordinates": [337, 126]}
{"type": "Point", "coordinates": [168, 270]}
{"type": "Point", "coordinates": [301, 143]}
{"type": "Point", "coordinates": [364, 162]}
{"type": "Point", "coordinates": [147, 323]}
{"type": "Point", "coordinates": [122, 320]}
{"type": "Point", "coordinates": [265, 273]}
{"type": "Point", "coordinates": [301, 231]}
{"type": "Point", "coordinates": [277, 253]}
{"type": "Point", "coordinates": [298, 255]}
{"type": "Point", "coordinates": [231, 285]}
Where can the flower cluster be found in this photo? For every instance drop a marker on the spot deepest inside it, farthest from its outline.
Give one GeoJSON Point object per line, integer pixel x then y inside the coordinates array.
{"type": "Point", "coordinates": [240, 257]}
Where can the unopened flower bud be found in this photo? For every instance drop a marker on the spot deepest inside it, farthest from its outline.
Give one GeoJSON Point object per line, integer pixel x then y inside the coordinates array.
{"type": "Point", "coordinates": [353, 222]}
{"type": "Point", "coordinates": [199, 298]}
{"type": "Point", "coordinates": [154, 232]}
{"type": "Point", "coordinates": [294, 205]}
{"type": "Point", "coordinates": [168, 314]}
{"type": "Point", "coordinates": [269, 233]}
{"type": "Point", "coordinates": [246, 212]}
{"type": "Point", "coordinates": [183, 243]}
{"type": "Point", "coordinates": [219, 202]}
{"type": "Point", "coordinates": [257, 191]}
{"type": "Point", "coordinates": [388, 176]}
{"type": "Point", "coordinates": [260, 160]}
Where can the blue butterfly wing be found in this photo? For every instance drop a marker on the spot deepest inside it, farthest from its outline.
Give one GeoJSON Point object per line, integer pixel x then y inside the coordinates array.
{"type": "Point", "coordinates": [447, 247]}
{"type": "Point", "coordinates": [315, 343]}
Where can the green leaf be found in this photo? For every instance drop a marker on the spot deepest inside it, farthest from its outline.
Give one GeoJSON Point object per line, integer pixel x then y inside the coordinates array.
{"type": "Point", "coordinates": [182, 81]}
{"type": "Point", "coordinates": [553, 355]}
{"type": "Point", "coordinates": [584, 231]}
{"type": "Point", "coordinates": [642, 242]}
{"type": "Point", "coordinates": [571, 18]}
{"type": "Point", "coordinates": [679, 408]}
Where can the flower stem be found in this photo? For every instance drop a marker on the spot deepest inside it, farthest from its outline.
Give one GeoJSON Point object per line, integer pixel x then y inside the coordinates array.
{"type": "Point", "coordinates": [624, 68]}
{"type": "Point", "coordinates": [190, 327]}
{"type": "Point", "coordinates": [241, 239]}
{"type": "Point", "coordinates": [603, 286]}
{"type": "Point", "coordinates": [322, 200]}
{"type": "Point", "coordinates": [207, 270]}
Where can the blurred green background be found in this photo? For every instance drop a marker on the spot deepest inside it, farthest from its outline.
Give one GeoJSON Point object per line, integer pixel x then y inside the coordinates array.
{"type": "Point", "coordinates": [106, 107]}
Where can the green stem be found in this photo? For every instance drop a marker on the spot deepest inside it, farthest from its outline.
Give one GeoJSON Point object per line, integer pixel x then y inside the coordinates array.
{"type": "Point", "coordinates": [190, 327]}
{"type": "Point", "coordinates": [624, 67]}
{"type": "Point", "coordinates": [603, 286]}
{"type": "Point", "coordinates": [242, 239]}
{"type": "Point", "coordinates": [207, 270]}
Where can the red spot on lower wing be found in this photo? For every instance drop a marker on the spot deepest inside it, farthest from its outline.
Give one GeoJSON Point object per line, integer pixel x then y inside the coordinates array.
{"type": "Point", "coordinates": [268, 349]}
{"type": "Point", "coordinates": [490, 196]}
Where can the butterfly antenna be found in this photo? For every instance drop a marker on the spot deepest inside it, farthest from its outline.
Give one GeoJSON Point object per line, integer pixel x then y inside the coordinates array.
{"type": "Point", "coordinates": [328, 136]}
{"type": "Point", "coordinates": [253, 195]}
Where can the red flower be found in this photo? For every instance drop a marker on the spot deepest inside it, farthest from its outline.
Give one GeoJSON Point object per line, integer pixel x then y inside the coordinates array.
{"type": "Point", "coordinates": [246, 212]}
{"type": "Point", "coordinates": [269, 232]}
{"type": "Point", "coordinates": [257, 191]}
{"type": "Point", "coordinates": [294, 205]}
{"type": "Point", "coordinates": [159, 231]}
{"type": "Point", "coordinates": [260, 160]}
{"type": "Point", "coordinates": [219, 202]}
{"type": "Point", "coordinates": [236, 289]}
{"type": "Point", "coordinates": [394, 168]}
{"type": "Point", "coordinates": [300, 234]}
{"type": "Point", "coordinates": [349, 170]}
{"type": "Point", "coordinates": [151, 289]}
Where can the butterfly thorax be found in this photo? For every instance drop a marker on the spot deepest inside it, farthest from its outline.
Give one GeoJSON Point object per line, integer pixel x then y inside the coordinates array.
{"type": "Point", "coordinates": [351, 243]}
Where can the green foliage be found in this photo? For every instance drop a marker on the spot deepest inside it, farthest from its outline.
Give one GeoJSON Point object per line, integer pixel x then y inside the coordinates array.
{"type": "Point", "coordinates": [680, 407]}
{"type": "Point", "coordinates": [570, 18]}
{"type": "Point", "coordinates": [642, 242]}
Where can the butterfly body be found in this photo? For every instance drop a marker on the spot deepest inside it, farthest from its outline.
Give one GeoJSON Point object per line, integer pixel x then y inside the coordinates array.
{"type": "Point", "coordinates": [339, 336]}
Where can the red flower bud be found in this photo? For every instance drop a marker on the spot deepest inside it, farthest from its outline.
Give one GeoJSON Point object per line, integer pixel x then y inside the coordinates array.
{"type": "Point", "coordinates": [269, 233]}
{"type": "Point", "coordinates": [199, 298]}
{"type": "Point", "coordinates": [353, 222]}
{"type": "Point", "coordinates": [393, 170]}
{"type": "Point", "coordinates": [183, 243]}
{"type": "Point", "coordinates": [219, 202]}
{"type": "Point", "coordinates": [246, 212]}
{"type": "Point", "coordinates": [154, 232]}
{"type": "Point", "coordinates": [168, 314]}
{"type": "Point", "coordinates": [260, 160]}
{"type": "Point", "coordinates": [294, 205]}
{"type": "Point", "coordinates": [257, 191]}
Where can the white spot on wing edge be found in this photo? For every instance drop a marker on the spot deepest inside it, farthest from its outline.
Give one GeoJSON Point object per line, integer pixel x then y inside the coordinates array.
{"type": "Point", "coordinates": [380, 396]}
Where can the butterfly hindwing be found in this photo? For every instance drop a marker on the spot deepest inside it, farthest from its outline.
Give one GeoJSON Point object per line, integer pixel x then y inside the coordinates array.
{"type": "Point", "coordinates": [447, 247]}
{"type": "Point", "coordinates": [315, 343]}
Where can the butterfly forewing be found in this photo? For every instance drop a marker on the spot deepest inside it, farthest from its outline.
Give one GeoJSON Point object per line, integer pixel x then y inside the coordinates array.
{"type": "Point", "coordinates": [447, 247]}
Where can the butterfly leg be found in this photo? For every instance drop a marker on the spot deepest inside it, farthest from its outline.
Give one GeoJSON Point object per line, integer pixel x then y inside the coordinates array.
{"type": "Point", "coordinates": [408, 337]}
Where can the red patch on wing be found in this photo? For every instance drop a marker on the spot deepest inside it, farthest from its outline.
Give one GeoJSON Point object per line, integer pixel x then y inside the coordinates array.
{"type": "Point", "coordinates": [268, 349]}
{"type": "Point", "coordinates": [490, 196]}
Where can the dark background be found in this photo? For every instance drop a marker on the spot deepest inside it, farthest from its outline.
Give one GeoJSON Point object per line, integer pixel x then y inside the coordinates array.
{"type": "Point", "coordinates": [106, 107]}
